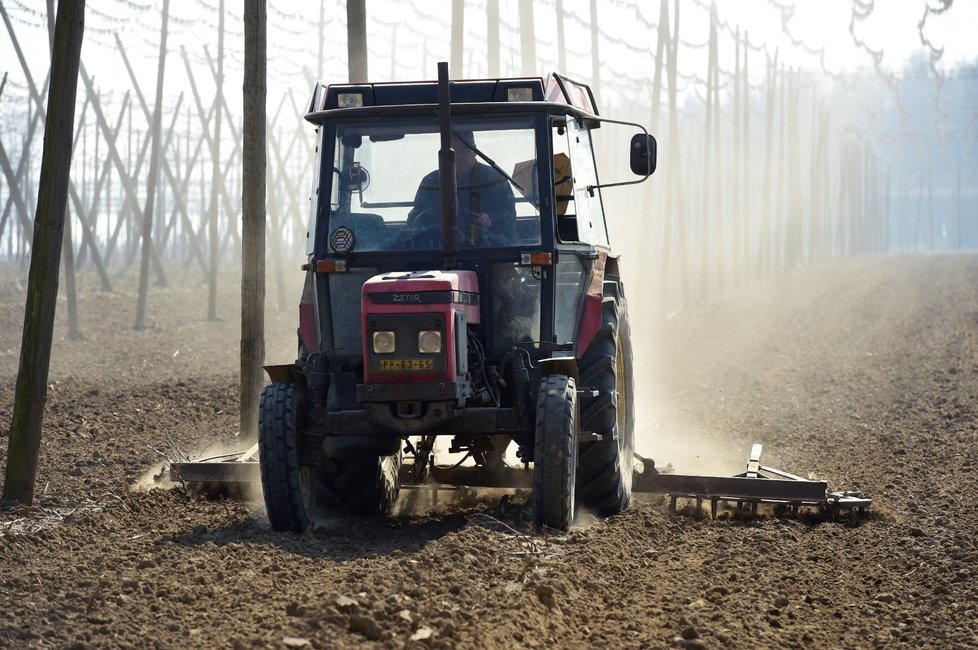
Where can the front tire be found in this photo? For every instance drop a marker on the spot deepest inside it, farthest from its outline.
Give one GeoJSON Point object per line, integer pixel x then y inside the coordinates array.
{"type": "Point", "coordinates": [555, 452]}
{"type": "Point", "coordinates": [296, 494]}
{"type": "Point", "coordinates": [287, 486]}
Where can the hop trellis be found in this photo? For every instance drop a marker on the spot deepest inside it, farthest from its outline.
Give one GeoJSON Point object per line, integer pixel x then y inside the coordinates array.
{"type": "Point", "coordinates": [733, 82]}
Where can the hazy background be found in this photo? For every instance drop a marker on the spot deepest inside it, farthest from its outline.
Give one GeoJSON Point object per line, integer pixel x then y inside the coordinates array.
{"type": "Point", "coordinates": [790, 134]}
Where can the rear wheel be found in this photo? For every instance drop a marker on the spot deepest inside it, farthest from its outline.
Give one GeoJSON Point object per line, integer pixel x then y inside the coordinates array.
{"type": "Point", "coordinates": [555, 452]}
{"type": "Point", "coordinates": [604, 474]}
{"type": "Point", "coordinates": [357, 486]}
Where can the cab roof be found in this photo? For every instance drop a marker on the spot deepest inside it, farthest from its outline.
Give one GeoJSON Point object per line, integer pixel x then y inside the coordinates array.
{"type": "Point", "coordinates": [558, 90]}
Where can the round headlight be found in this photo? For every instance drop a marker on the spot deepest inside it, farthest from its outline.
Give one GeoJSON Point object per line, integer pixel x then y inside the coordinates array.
{"type": "Point", "coordinates": [429, 341]}
{"type": "Point", "coordinates": [384, 342]}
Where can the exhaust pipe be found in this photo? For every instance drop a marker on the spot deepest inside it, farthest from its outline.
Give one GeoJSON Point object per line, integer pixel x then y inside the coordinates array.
{"type": "Point", "coordinates": [447, 183]}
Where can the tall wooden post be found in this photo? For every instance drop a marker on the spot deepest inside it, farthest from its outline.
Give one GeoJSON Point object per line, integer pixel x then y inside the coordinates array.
{"type": "Point", "coordinates": [322, 39]}
{"type": "Point", "coordinates": [154, 169]}
{"type": "Point", "coordinates": [42, 288]}
{"type": "Point", "coordinates": [217, 180]}
{"type": "Point", "coordinates": [736, 171]}
{"type": "Point", "coordinates": [957, 202]}
{"type": "Point", "coordinates": [764, 245]}
{"type": "Point", "coordinates": [595, 59]}
{"type": "Point", "coordinates": [356, 40]}
{"type": "Point", "coordinates": [745, 162]}
{"type": "Point", "coordinates": [253, 216]}
{"type": "Point", "coordinates": [458, 37]}
{"type": "Point", "coordinates": [528, 47]}
{"type": "Point", "coordinates": [661, 40]}
{"type": "Point", "coordinates": [561, 45]}
{"type": "Point", "coordinates": [492, 36]}
{"type": "Point", "coordinates": [717, 176]}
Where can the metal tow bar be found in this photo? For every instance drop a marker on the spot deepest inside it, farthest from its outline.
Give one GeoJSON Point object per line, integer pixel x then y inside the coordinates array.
{"type": "Point", "coordinates": [758, 484]}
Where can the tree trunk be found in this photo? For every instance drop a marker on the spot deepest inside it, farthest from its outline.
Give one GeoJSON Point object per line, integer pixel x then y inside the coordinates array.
{"type": "Point", "coordinates": [42, 288]}
{"type": "Point", "coordinates": [253, 218]}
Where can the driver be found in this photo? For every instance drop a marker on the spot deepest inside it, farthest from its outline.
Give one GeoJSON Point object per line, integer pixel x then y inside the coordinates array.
{"type": "Point", "coordinates": [485, 200]}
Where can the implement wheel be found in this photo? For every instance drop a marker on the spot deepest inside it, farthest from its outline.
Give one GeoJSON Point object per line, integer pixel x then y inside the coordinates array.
{"type": "Point", "coordinates": [555, 452]}
{"type": "Point", "coordinates": [604, 474]}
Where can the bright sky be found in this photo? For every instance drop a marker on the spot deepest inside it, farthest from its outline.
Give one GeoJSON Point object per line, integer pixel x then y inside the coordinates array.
{"type": "Point", "coordinates": [418, 32]}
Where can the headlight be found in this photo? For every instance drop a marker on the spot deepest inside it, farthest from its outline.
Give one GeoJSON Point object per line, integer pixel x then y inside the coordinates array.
{"type": "Point", "coordinates": [429, 341]}
{"type": "Point", "coordinates": [384, 342]}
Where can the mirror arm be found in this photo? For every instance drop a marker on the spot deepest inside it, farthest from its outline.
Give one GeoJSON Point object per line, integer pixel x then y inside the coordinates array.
{"type": "Point", "coordinates": [590, 188]}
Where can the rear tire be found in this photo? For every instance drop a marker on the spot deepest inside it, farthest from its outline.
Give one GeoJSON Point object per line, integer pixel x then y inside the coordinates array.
{"type": "Point", "coordinates": [555, 452]}
{"type": "Point", "coordinates": [604, 474]}
{"type": "Point", "coordinates": [358, 486]}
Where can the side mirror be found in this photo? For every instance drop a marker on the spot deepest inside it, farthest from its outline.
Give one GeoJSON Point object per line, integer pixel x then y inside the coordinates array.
{"type": "Point", "coordinates": [642, 154]}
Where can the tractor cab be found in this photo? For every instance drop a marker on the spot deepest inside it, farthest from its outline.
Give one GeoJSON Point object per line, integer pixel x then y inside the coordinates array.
{"type": "Point", "coordinates": [460, 282]}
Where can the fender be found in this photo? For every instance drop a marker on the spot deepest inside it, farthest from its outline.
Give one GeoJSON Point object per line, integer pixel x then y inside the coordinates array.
{"type": "Point", "coordinates": [591, 316]}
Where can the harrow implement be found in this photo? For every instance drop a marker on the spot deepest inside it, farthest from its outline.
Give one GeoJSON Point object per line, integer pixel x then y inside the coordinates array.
{"type": "Point", "coordinates": [758, 484]}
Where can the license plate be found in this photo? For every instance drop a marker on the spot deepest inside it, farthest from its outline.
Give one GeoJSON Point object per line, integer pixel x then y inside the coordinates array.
{"type": "Point", "coordinates": [407, 364]}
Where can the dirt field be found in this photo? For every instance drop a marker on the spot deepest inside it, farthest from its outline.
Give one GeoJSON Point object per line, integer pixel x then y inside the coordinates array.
{"type": "Point", "coordinates": [864, 374]}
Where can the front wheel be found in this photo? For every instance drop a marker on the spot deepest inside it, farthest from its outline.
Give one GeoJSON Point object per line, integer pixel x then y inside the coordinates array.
{"type": "Point", "coordinates": [287, 486]}
{"type": "Point", "coordinates": [555, 452]}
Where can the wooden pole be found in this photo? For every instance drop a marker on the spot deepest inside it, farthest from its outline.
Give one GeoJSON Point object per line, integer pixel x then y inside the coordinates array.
{"type": "Point", "coordinates": [595, 58]}
{"type": "Point", "coordinates": [957, 202]}
{"type": "Point", "coordinates": [356, 43]}
{"type": "Point", "coordinates": [42, 290]}
{"type": "Point", "coordinates": [253, 217]}
{"type": "Point", "coordinates": [661, 40]}
{"type": "Point", "coordinates": [154, 167]}
{"type": "Point", "coordinates": [561, 45]}
{"type": "Point", "coordinates": [736, 171]}
{"type": "Point", "coordinates": [322, 40]}
{"type": "Point", "coordinates": [764, 245]}
{"type": "Point", "coordinates": [745, 165]}
{"type": "Point", "coordinates": [528, 48]}
{"type": "Point", "coordinates": [458, 37]}
{"type": "Point", "coordinates": [216, 177]}
{"type": "Point", "coordinates": [492, 36]}
{"type": "Point", "coordinates": [717, 212]}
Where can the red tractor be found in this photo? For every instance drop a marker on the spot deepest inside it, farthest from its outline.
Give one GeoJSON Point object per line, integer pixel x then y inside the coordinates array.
{"type": "Point", "coordinates": [480, 301]}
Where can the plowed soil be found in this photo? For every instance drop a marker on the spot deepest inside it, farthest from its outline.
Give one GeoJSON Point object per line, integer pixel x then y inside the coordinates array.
{"type": "Point", "coordinates": [864, 374]}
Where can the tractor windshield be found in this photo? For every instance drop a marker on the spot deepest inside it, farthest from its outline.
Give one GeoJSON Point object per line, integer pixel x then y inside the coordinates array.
{"type": "Point", "coordinates": [384, 186]}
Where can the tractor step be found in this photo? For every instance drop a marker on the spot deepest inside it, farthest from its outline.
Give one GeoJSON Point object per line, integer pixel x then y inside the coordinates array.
{"type": "Point", "coordinates": [758, 484]}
